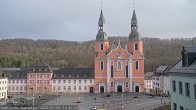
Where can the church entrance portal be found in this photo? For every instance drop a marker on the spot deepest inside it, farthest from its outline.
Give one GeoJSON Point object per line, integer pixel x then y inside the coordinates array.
{"type": "Point", "coordinates": [137, 89]}
{"type": "Point", "coordinates": [101, 89]}
{"type": "Point", "coordinates": [119, 88]}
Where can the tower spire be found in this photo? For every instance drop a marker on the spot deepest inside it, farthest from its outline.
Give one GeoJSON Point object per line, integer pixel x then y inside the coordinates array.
{"type": "Point", "coordinates": [134, 35]}
{"type": "Point", "coordinates": [101, 35]}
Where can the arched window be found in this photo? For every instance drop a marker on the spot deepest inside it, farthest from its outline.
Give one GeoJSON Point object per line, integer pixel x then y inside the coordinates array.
{"type": "Point", "coordinates": [136, 46]}
{"type": "Point", "coordinates": [127, 71]}
{"type": "Point", "coordinates": [101, 65]}
{"type": "Point", "coordinates": [101, 46]}
{"type": "Point", "coordinates": [112, 71]}
{"type": "Point", "coordinates": [136, 65]}
{"type": "Point", "coordinates": [119, 66]}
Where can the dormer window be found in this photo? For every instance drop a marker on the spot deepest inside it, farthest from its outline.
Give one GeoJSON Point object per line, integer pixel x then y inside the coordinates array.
{"type": "Point", "coordinates": [101, 46]}
{"type": "Point", "coordinates": [77, 75]}
{"type": "Point", "coordinates": [33, 69]}
{"type": "Point", "coordinates": [85, 75]}
{"type": "Point", "coordinates": [39, 69]}
{"type": "Point", "coordinates": [45, 69]}
{"type": "Point", "coordinates": [69, 75]}
{"type": "Point", "coordinates": [62, 75]}
{"type": "Point", "coordinates": [136, 46]}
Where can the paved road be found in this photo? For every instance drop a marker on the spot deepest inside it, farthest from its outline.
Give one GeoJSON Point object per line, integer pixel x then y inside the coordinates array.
{"type": "Point", "coordinates": [87, 100]}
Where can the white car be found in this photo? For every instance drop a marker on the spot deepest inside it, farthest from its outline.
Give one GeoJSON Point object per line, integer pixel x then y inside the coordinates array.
{"type": "Point", "coordinates": [92, 108]}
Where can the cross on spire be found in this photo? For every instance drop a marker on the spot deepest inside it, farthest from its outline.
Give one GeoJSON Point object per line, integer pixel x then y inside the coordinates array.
{"type": "Point", "coordinates": [101, 4]}
{"type": "Point", "coordinates": [134, 4]}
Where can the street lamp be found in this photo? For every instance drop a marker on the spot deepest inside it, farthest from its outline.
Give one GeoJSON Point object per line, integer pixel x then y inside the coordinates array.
{"type": "Point", "coordinates": [113, 96]}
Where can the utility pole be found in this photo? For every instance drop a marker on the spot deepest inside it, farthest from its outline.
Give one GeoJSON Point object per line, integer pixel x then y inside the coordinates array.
{"type": "Point", "coordinates": [33, 101]}
{"type": "Point", "coordinates": [122, 101]}
{"type": "Point", "coordinates": [108, 104]}
{"type": "Point", "coordinates": [113, 97]}
{"type": "Point", "coordinates": [92, 102]}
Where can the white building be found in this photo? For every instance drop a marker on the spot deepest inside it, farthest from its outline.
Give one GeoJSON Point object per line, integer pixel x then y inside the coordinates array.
{"type": "Point", "coordinates": [148, 82]}
{"type": "Point", "coordinates": [73, 80]}
{"type": "Point", "coordinates": [158, 81]}
{"type": "Point", "coordinates": [16, 86]}
{"type": "Point", "coordinates": [165, 83]}
{"type": "Point", "coordinates": [17, 82]}
{"type": "Point", "coordinates": [183, 81]}
{"type": "Point", "coordinates": [72, 85]}
{"type": "Point", "coordinates": [3, 86]}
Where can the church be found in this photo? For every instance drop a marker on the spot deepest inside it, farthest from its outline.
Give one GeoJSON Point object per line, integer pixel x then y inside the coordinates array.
{"type": "Point", "coordinates": [119, 69]}
{"type": "Point", "coordinates": [116, 70]}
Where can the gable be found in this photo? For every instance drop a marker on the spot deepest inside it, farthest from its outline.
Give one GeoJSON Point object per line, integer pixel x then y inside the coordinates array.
{"type": "Point", "coordinates": [119, 52]}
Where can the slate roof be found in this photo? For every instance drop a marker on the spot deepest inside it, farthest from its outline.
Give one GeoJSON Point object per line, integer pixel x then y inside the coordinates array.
{"type": "Point", "coordinates": [74, 73]}
{"type": "Point", "coordinates": [189, 49]}
{"type": "Point", "coordinates": [101, 36]}
{"type": "Point", "coordinates": [21, 74]}
{"type": "Point", "coordinates": [148, 75]}
{"type": "Point", "coordinates": [179, 69]}
{"type": "Point", "coordinates": [161, 69]}
{"type": "Point", "coordinates": [64, 73]}
{"type": "Point", "coordinates": [41, 67]}
{"type": "Point", "coordinates": [101, 18]}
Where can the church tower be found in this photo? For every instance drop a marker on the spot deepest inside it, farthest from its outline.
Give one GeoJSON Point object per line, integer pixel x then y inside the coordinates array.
{"type": "Point", "coordinates": [135, 47]}
{"type": "Point", "coordinates": [101, 50]}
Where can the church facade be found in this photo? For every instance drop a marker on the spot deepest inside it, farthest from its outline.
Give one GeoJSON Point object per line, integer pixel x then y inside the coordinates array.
{"type": "Point", "coordinates": [119, 69]}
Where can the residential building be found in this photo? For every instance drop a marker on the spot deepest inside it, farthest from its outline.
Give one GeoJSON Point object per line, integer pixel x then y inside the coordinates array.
{"type": "Point", "coordinates": [75, 80]}
{"type": "Point", "coordinates": [183, 81]}
{"type": "Point", "coordinates": [3, 85]}
{"type": "Point", "coordinates": [119, 69]}
{"type": "Point", "coordinates": [148, 82]}
{"type": "Point", "coordinates": [158, 81]}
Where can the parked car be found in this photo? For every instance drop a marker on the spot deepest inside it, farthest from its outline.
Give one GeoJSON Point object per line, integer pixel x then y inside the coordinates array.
{"type": "Point", "coordinates": [92, 108]}
{"type": "Point", "coordinates": [11, 103]}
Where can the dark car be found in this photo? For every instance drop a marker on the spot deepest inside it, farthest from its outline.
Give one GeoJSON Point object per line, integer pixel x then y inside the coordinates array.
{"type": "Point", "coordinates": [11, 103]}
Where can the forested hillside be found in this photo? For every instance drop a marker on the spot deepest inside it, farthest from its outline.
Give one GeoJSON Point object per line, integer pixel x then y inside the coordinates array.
{"type": "Point", "coordinates": [26, 52]}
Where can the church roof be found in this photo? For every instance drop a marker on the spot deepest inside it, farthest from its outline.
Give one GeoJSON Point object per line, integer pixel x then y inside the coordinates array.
{"type": "Point", "coordinates": [101, 36]}
{"type": "Point", "coordinates": [134, 35]}
{"type": "Point", "coordinates": [134, 18]}
{"type": "Point", "coordinates": [101, 18]}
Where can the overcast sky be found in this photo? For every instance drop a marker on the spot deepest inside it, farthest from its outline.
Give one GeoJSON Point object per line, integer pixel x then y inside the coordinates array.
{"type": "Point", "coordinates": [76, 20]}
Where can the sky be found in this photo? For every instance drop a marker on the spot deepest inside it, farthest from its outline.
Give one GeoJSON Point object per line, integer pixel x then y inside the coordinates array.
{"type": "Point", "coordinates": [77, 20]}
